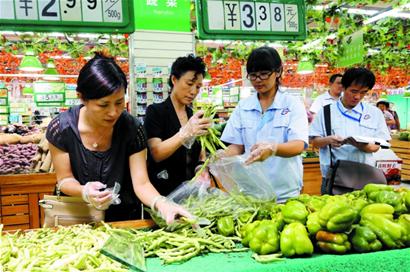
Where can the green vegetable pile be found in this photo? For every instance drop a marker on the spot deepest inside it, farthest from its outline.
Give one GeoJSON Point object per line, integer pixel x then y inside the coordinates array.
{"type": "Point", "coordinates": [372, 219]}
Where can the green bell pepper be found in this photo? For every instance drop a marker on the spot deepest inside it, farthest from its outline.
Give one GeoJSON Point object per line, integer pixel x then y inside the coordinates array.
{"type": "Point", "coordinates": [313, 223]}
{"type": "Point", "coordinates": [389, 197]}
{"type": "Point", "coordinates": [262, 238]}
{"type": "Point", "coordinates": [315, 203]}
{"type": "Point", "coordinates": [294, 211]}
{"type": "Point", "coordinates": [404, 221]}
{"type": "Point", "coordinates": [279, 221]}
{"type": "Point", "coordinates": [336, 243]}
{"type": "Point", "coordinates": [371, 187]}
{"type": "Point", "coordinates": [294, 240]}
{"type": "Point", "coordinates": [387, 231]}
{"type": "Point", "coordinates": [245, 217]}
{"type": "Point", "coordinates": [407, 200]}
{"type": "Point", "coordinates": [246, 232]}
{"type": "Point", "coordinates": [383, 209]}
{"type": "Point", "coordinates": [226, 225]}
{"type": "Point", "coordinates": [365, 240]}
{"type": "Point", "coordinates": [337, 215]}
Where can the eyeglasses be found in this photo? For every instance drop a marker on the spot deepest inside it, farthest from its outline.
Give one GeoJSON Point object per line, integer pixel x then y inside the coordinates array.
{"type": "Point", "coordinates": [261, 75]}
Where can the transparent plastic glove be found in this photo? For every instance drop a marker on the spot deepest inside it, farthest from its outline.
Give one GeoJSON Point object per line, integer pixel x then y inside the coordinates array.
{"type": "Point", "coordinates": [92, 194]}
{"type": "Point", "coordinates": [262, 151]}
{"type": "Point", "coordinates": [220, 153]}
{"type": "Point", "coordinates": [169, 210]}
{"type": "Point", "coordinates": [196, 126]}
{"type": "Point", "coordinates": [115, 199]}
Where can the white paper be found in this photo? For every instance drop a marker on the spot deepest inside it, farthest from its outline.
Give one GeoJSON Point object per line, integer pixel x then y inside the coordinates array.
{"type": "Point", "coordinates": [370, 140]}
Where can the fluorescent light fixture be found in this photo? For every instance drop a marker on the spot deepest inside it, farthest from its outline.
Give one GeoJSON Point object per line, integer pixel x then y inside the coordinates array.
{"type": "Point", "coordinates": [369, 12]}
{"type": "Point", "coordinates": [320, 7]}
{"type": "Point", "coordinates": [389, 13]}
{"type": "Point", "coordinates": [399, 14]}
{"type": "Point", "coordinates": [51, 72]}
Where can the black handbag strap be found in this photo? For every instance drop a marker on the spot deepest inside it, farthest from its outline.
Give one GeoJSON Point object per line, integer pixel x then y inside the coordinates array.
{"type": "Point", "coordinates": [328, 126]}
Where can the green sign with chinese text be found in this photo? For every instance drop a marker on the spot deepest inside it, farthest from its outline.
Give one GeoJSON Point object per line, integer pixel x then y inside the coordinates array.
{"type": "Point", "coordinates": [166, 15]}
{"type": "Point", "coordinates": [353, 51]}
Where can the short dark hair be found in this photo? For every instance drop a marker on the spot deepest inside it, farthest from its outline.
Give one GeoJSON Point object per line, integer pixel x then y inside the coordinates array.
{"type": "Point", "coordinates": [387, 104]}
{"type": "Point", "coordinates": [333, 77]}
{"type": "Point", "coordinates": [358, 76]}
{"type": "Point", "coordinates": [185, 64]}
{"type": "Point", "coordinates": [100, 76]}
{"type": "Point", "coordinates": [263, 58]}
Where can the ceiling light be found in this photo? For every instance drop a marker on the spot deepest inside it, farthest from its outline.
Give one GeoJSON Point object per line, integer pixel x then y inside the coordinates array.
{"type": "Point", "coordinates": [30, 62]}
{"type": "Point", "coordinates": [389, 13]}
{"type": "Point", "coordinates": [51, 72]}
{"type": "Point", "coordinates": [369, 12]}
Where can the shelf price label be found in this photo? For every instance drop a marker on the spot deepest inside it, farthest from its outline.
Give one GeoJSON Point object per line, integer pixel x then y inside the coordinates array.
{"type": "Point", "coordinates": [251, 19]}
{"type": "Point", "coordinates": [101, 16]}
{"type": "Point", "coordinates": [49, 97]}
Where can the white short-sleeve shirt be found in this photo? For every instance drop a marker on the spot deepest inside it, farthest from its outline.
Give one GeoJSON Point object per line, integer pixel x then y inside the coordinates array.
{"type": "Point", "coordinates": [321, 101]}
{"type": "Point", "coordinates": [363, 120]}
{"type": "Point", "coordinates": [285, 120]}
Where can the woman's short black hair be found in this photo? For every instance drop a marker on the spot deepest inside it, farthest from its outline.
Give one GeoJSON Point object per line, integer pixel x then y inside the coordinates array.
{"type": "Point", "coordinates": [185, 64]}
{"type": "Point", "coordinates": [100, 76]}
{"type": "Point", "coordinates": [358, 76]}
{"type": "Point", "coordinates": [385, 103]}
{"type": "Point", "coordinates": [264, 59]}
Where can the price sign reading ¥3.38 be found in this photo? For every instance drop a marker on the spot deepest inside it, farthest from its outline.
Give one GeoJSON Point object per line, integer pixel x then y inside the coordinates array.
{"type": "Point", "coordinates": [251, 19]}
{"type": "Point", "coordinates": [101, 16]}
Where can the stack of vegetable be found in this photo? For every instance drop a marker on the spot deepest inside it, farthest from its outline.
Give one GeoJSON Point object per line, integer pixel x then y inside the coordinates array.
{"type": "Point", "coordinates": [371, 219]}
{"type": "Point", "coordinates": [14, 134]}
{"type": "Point", "coordinates": [42, 160]}
{"type": "Point", "coordinates": [16, 158]}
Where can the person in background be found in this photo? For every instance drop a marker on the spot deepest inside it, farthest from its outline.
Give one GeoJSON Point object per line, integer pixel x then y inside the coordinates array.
{"type": "Point", "coordinates": [270, 126]}
{"type": "Point", "coordinates": [349, 117]}
{"type": "Point", "coordinates": [395, 116]}
{"type": "Point", "coordinates": [97, 144]}
{"type": "Point", "coordinates": [172, 127]}
{"type": "Point", "coordinates": [330, 96]}
{"type": "Point", "coordinates": [384, 107]}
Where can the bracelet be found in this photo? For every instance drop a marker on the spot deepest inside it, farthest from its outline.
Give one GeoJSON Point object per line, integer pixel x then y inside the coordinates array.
{"type": "Point", "coordinates": [155, 200]}
{"type": "Point", "coordinates": [60, 184]}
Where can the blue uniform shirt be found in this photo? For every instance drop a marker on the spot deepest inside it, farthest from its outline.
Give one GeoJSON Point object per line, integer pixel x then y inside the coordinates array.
{"type": "Point", "coordinates": [285, 120]}
{"type": "Point", "coordinates": [363, 120]}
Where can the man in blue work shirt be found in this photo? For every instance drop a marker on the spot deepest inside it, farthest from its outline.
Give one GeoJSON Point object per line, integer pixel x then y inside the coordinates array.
{"type": "Point", "coordinates": [271, 126]}
{"type": "Point", "coordinates": [349, 117]}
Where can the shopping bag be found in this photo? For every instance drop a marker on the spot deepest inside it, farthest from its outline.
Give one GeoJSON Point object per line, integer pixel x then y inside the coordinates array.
{"type": "Point", "coordinates": [345, 176]}
{"type": "Point", "coordinates": [67, 210]}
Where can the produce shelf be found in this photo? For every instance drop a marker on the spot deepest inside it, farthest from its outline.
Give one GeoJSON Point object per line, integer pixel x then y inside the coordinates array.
{"type": "Point", "coordinates": [19, 196]}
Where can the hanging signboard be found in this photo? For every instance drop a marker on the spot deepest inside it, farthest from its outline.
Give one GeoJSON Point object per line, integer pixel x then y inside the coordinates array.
{"type": "Point", "coordinates": [251, 19]}
{"type": "Point", "coordinates": [353, 51]}
{"type": "Point", "coordinates": [49, 93]}
{"type": "Point", "coordinates": [164, 15]}
{"type": "Point", "coordinates": [87, 16]}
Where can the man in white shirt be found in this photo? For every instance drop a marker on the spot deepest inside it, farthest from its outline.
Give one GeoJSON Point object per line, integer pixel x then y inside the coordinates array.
{"type": "Point", "coordinates": [349, 117]}
{"type": "Point", "coordinates": [330, 96]}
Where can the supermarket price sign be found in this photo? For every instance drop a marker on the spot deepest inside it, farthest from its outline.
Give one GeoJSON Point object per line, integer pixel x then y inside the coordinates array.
{"type": "Point", "coordinates": [251, 19]}
{"type": "Point", "coordinates": [87, 16]}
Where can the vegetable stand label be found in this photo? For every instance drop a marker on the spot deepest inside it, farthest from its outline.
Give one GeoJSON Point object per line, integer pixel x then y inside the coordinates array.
{"type": "Point", "coordinates": [105, 16]}
{"type": "Point", "coordinates": [251, 20]}
{"type": "Point", "coordinates": [49, 97]}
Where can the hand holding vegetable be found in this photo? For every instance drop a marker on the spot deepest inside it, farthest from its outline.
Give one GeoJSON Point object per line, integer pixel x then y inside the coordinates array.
{"type": "Point", "coordinates": [99, 199]}
{"type": "Point", "coordinates": [196, 126]}
{"type": "Point", "coordinates": [262, 151]}
{"type": "Point", "coordinates": [169, 210]}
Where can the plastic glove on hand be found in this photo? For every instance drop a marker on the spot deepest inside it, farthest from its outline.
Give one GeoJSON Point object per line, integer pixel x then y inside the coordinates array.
{"type": "Point", "coordinates": [169, 210]}
{"type": "Point", "coordinates": [92, 194]}
{"type": "Point", "coordinates": [262, 151]}
{"type": "Point", "coordinates": [196, 126]}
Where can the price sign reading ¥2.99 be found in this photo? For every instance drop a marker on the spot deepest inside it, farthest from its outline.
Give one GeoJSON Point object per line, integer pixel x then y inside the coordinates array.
{"type": "Point", "coordinates": [251, 19]}
{"type": "Point", "coordinates": [103, 16]}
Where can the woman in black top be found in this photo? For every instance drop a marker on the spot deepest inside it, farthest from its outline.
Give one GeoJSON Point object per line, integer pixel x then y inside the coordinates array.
{"type": "Point", "coordinates": [97, 144]}
{"type": "Point", "coordinates": [171, 128]}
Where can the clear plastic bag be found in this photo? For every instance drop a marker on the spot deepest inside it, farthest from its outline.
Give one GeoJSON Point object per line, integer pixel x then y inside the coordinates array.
{"type": "Point", "coordinates": [236, 176]}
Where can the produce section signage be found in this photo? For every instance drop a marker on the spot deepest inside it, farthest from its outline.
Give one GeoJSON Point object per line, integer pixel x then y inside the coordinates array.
{"type": "Point", "coordinates": [49, 93]}
{"type": "Point", "coordinates": [101, 16]}
{"type": "Point", "coordinates": [166, 15]}
{"type": "Point", "coordinates": [251, 19]}
{"type": "Point", "coordinates": [353, 51]}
